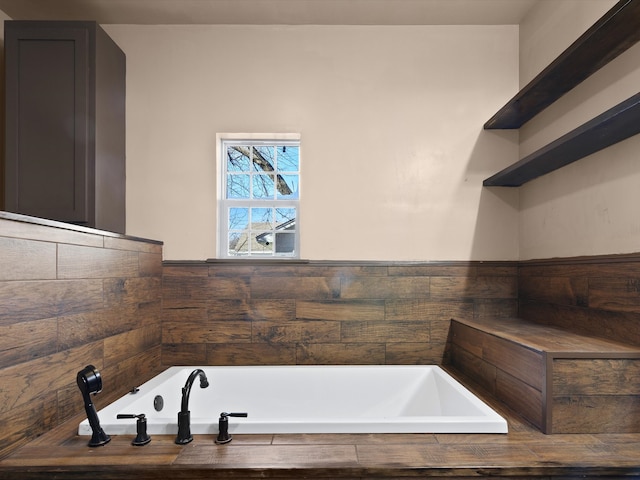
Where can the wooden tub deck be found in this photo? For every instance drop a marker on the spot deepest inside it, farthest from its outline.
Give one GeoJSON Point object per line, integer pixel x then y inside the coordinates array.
{"type": "Point", "coordinates": [524, 452]}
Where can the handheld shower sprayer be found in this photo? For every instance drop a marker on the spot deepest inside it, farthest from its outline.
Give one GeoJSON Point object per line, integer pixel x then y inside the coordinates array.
{"type": "Point", "coordinates": [89, 381]}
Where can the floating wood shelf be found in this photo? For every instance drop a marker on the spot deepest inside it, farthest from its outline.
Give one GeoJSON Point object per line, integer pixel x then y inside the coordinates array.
{"type": "Point", "coordinates": [614, 33]}
{"type": "Point", "coordinates": [612, 126]}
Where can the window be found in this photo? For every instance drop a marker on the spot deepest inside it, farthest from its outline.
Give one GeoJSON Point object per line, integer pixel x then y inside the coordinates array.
{"type": "Point", "coordinates": [259, 204]}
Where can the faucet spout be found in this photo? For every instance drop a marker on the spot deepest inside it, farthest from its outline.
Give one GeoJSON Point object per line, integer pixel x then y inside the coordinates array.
{"type": "Point", "coordinates": [186, 390]}
{"type": "Point", "coordinates": [184, 416]}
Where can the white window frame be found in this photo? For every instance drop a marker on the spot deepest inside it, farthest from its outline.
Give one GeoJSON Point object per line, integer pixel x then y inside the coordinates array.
{"type": "Point", "coordinates": [224, 203]}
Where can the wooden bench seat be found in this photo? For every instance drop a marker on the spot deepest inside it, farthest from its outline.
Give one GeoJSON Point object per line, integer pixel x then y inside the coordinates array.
{"type": "Point", "coordinates": [560, 381]}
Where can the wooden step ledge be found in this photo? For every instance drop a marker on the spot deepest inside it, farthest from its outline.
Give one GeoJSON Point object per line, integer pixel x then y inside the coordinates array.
{"type": "Point", "coordinates": [551, 340]}
{"type": "Point", "coordinates": [560, 381]}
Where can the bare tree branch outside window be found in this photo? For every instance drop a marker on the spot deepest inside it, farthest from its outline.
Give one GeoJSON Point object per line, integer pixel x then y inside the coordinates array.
{"type": "Point", "coordinates": [261, 198]}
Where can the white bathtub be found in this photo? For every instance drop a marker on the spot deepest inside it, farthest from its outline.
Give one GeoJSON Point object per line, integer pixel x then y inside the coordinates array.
{"type": "Point", "coordinates": [307, 399]}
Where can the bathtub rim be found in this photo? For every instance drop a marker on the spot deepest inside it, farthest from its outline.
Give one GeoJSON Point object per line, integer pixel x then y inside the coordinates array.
{"type": "Point", "coordinates": [489, 420]}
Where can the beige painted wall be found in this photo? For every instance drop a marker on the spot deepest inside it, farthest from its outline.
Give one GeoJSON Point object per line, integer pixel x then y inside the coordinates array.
{"type": "Point", "coordinates": [588, 207]}
{"type": "Point", "coordinates": [390, 118]}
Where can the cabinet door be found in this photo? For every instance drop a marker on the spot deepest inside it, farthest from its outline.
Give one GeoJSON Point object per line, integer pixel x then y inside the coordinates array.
{"type": "Point", "coordinates": [47, 151]}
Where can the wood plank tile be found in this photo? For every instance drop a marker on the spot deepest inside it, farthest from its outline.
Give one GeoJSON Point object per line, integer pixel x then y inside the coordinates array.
{"type": "Point", "coordinates": [87, 262]}
{"type": "Point", "coordinates": [575, 319]}
{"type": "Point", "coordinates": [271, 310]}
{"type": "Point", "coordinates": [79, 329]}
{"type": "Point", "coordinates": [150, 264]}
{"type": "Point", "coordinates": [122, 318]}
{"type": "Point", "coordinates": [146, 313]}
{"type": "Point", "coordinates": [189, 330]}
{"type": "Point", "coordinates": [45, 374]}
{"type": "Point", "coordinates": [414, 353]}
{"type": "Point", "coordinates": [546, 338]}
{"type": "Point", "coordinates": [341, 354]}
{"type": "Point", "coordinates": [616, 326]}
{"type": "Point", "coordinates": [511, 438]}
{"type": "Point", "coordinates": [521, 362]}
{"type": "Point", "coordinates": [470, 288]}
{"type": "Point", "coordinates": [340, 310]}
{"type": "Point", "coordinates": [228, 309]}
{"type": "Point", "coordinates": [585, 455]}
{"type": "Point", "coordinates": [69, 402]}
{"type": "Point", "coordinates": [120, 243]}
{"type": "Point", "coordinates": [426, 309]}
{"type": "Point", "coordinates": [227, 288]}
{"type": "Point", "coordinates": [382, 331]}
{"type": "Point", "coordinates": [343, 270]}
{"type": "Point", "coordinates": [492, 308]}
{"type": "Point", "coordinates": [131, 291]}
{"type": "Point", "coordinates": [117, 452]}
{"type": "Point", "coordinates": [118, 378]}
{"type": "Point", "coordinates": [250, 354]}
{"type": "Point", "coordinates": [274, 332]}
{"type": "Point", "coordinates": [475, 367]}
{"type": "Point", "coordinates": [596, 414]}
{"type": "Point", "coordinates": [558, 290]}
{"type": "Point", "coordinates": [232, 269]}
{"type": "Point", "coordinates": [321, 269]}
{"type": "Point", "coordinates": [468, 338]}
{"type": "Point", "coordinates": [498, 269]}
{"type": "Point", "coordinates": [190, 270]}
{"type": "Point", "coordinates": [24, 301]}
{"type": "Point", "coordinates": [129, 344]}
{"type": "Point", "coordinates": [596, 376]}
{"type": "Point", "coordinates": [32, 231]}
{"type": "Point", "coordinates": [521, 397]}
{"type": "Point", "coordinates": [271, 456]}
{"type": "Point", "coordinates": [613, 266]}
{"type": "Point", "coordinates": [433, 270]}
{"type": "Point", "coordinates": [183, 291]}
{"type": "Point", "coordinates": [346, 270]}
{"type": "Point", "coordinates": [451, 455]}
{"type": "Point", "coordinates": [184, 354]}
{"type": "Point", "coordinates": [481, 455]}
{"type": "Point", "coordinates": [238, 439]}
{"type": "Point", "coordinates": [522, 453]}
{"type": "Point", "coordinates": [301, 288]}
{"type": "Point", "coordinates": [609, 438]}
{"type": "Point", "coordinates": [198, 291]}
{"type": "Point", "coordinates": [27, 260]}
{"type": "Point", "coordinates": [177, 315]}
{"type": "Point", "coordinates": [354, 439]}
{"type": "Point", "coordinates": [21, 424]}
{"type": "Point", "coordinates": [616, 294]}
{"type": "Point", "coordinates": [385, 288]}
{"type": "Point", "coordinates": [439, 330]}
{"type": "Point", "coordinates": [25, 341]}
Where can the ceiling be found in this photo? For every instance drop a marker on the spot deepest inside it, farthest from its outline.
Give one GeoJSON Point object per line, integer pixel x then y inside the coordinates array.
{"type": "Point", "coordinates": [276, 12]}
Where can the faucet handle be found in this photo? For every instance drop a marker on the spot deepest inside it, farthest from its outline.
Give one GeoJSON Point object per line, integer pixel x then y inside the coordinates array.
{"type": "Point", "coordinates": [225, 414]}
{"type": "Point", "coordinates": [142, 437]}
{"type": "Point", "coordinates": [129, 415]}
{"type": "Point", "coordinates": [223, 426]}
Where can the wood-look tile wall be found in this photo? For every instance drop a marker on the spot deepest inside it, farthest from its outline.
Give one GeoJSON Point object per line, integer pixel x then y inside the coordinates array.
{"type": "Point", "coordinates": [594, 296]}
{"type": "Point", "coordinates": [69, 298]}
{"type": "Point", "coordinates": [325, 312]}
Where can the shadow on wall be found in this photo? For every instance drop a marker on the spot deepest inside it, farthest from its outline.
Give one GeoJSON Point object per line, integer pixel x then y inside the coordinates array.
{"type": "Point", "coordinates": [603, 169]}
{"type": "Point", "coordinates": [496, 228]}
{"type": "Point", "coordinates": [497, 224]}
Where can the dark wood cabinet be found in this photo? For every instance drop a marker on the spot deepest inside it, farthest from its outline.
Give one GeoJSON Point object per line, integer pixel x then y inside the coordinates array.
{"type": "Point", "coordinates": [65, 123]}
